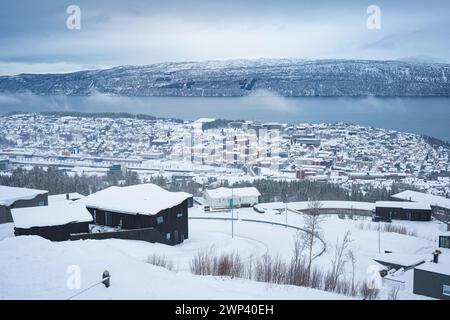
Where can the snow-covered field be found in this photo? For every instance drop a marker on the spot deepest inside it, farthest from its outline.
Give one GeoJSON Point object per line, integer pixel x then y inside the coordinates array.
{"type": "Point", "coordinates": [34, 268]}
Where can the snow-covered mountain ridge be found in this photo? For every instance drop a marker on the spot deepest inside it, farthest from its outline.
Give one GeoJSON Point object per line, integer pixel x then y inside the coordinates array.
{"type": "Point", "coordinates": [235, 78]}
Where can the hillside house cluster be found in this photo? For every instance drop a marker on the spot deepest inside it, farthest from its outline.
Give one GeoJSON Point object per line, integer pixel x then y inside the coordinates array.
{"type": "Point", "coordinates": [140, 212]}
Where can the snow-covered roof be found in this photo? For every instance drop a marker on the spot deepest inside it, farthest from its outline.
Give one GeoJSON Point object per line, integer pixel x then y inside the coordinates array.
{"type": "Point", "coordinates": [147, 199]}
{"type": "Point", "coordinates": [429, 199]}
{"type": "Point", "coordinates": [403, 205]}
{"type": "Point", "coordinates": [443, 265]}
{"type": "Point", "coordinates": [46, 216]}
{"type": "Point", "coordinates": [356, 205]}
{"type": "Point", "coordinates": [401, 259]}
{"type": "Point", "coordinates": [63, 197]}
{"type": "Point", "coordinates": [205, 120]}
{"type": "Point", "coordinates": [9, 195]}
{"type": "Point", "coordinates": [304, 205]}
{"type": "Point", "coordinates": [236, 192]}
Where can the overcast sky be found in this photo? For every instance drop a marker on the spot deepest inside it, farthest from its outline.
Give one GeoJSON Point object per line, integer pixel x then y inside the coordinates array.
{"type": "Point", "coordinates": [34, 37]}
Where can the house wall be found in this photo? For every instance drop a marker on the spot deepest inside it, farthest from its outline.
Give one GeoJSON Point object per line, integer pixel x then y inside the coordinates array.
{"type": "Point", "coordinates": [5, 212]}
{"type": "Point", "coordinates": [146, 234]}
{"type": "Point", "coordinates": [430, 284]}
{"type": "Point", "coordinates": [444, 242]}
{"type": "Point", "coordinates": [224, 202]}
{"type": "Point", "coordinates": [40, 199]}
{"type": "Point", "coordinates": [441, 214]}
{"type": "Point", "coordinates": [404, 214]}
{"type": "Point", "coordinates": [176, 226]}
{"type": "Point", "coordinates": [5, 215]}
{"type": "Point", "coordinates": [54, 233]}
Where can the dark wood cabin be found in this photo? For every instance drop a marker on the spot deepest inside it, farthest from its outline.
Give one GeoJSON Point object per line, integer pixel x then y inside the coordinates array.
{"type": "Point", "coordinates": [172, 223]}
{"type": "Point", "coordinates": [399, 212]}
{"type": "Point", "coordinates": [54, 233]}
{"type": "Point", "coordinates": [40, 199]}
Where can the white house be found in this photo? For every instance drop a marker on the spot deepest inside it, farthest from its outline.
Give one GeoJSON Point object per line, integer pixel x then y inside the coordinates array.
{"type": "Point", "coordinates": [242, 197]}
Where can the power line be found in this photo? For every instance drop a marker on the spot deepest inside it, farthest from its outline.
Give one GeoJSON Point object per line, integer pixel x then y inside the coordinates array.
{"type": "Point", "coordinates": [105, 280]}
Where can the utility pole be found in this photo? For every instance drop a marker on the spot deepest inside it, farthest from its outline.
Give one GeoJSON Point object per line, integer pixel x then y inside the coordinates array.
{"type": "Point", "coordinates": [379, 238]}
{"type": "Point", "coordinates": [285, 209]}
{"type": "Point", "coordinates": [232, 212]}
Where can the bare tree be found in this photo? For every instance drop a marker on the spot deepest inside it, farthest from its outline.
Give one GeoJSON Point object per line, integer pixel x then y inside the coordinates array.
{"type": "Point", "coordinates": [352, 259]}
{"type": "Point", "coordinates": [313, 220]}
{"type": "Point", "coordinates": [339, 260]}
{"type": "Point", "coordinates": [393, 293]}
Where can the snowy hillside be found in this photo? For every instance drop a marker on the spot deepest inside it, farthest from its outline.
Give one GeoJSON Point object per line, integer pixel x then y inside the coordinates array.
{"type": "Point", "coordinates": [131, 278]}
{"type": "Point", "coordinates": [34, 268]}
{"type": "Point", "coordinates": [285, 77]}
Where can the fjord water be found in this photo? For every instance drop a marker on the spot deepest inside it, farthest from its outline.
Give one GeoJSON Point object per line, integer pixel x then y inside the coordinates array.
{"type": "Point", "coordinates": [422, 115]}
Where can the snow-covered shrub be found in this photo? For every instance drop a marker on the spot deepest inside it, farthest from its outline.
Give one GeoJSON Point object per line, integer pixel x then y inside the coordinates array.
{"type": "Point", "coordinates": [201, 264]}
{"type": "Point", "coordinates": [367, 292]}
{"type": "Point", "coordinates": [160, 261]}
{"type": "Point", "coordinates": [227, 264]}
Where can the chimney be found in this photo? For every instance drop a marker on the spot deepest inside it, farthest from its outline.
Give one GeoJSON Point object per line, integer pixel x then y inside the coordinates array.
{"type": "Point", "coordinates": [67, 196]}
{"type": "Point", "coordinates": [436, 256]}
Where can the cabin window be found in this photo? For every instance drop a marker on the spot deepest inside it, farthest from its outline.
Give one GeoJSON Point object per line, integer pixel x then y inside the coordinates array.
{"type": "Point", "coordinates": [179, 214]}
{"type": "Point", "coordinates": [94, 215]}
{"type": "Point", "coordinates": [168, 235]}
{"type": "Point", "coordinates": [446, 290]}
{"type": "Point", "coordinates": [41, 203]}
{"type": "Point", "coordinates": [444, 242]}
{"type": "Point", "coordinates": [160, 220]}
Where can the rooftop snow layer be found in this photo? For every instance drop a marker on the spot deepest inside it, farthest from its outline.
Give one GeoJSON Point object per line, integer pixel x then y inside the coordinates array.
{"type": "Point", "coordinates": [46, 216]}
{"type": "Point", "coordinates": [442, 267]}
{"type": "Point", "coordinates": [63, 197]}
{"type": "Point", "coordinates": [9, 195]}
{"type": "Point", "coordinates": [401, 259]}
{"type": "Point", "coordinates": [403, 205]}
{"type": "Point", "coordinates": [147, 199]}
{"type": "Point", "coordinates": [429, 199]}
{"type": "Point", "coordinates": [237, 192]}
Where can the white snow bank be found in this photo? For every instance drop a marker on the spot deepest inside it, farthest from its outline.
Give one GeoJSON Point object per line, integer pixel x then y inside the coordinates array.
{"type": "Point", "coordinates": [6, 230]}
{"type": "Point", "coordinates": [146, 199]}
{"type": "Point", "coordinates": [54, 215]}
{"type": "Point", "coordinates": [9, 195]}
{"type": "Point", "coordinates": [35, 268]}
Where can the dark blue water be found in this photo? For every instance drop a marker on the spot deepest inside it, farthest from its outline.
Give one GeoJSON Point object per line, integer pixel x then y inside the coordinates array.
{"type": "Point", "coordinates": [429, 116]}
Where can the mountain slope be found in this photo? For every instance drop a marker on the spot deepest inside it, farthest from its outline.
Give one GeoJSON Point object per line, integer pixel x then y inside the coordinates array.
{"type": "Point", "coordinates": [284, 77]}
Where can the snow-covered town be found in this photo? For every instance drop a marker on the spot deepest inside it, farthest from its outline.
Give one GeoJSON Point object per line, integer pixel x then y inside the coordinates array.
{"type": "Point", "coordinates": [224, 159]}
{"type": "Point", "coordinates": [219, 236]}
{"type": "Point", "coordinates": [156, 244]}
{"type": "Point", "coordinates": [346, 154]}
